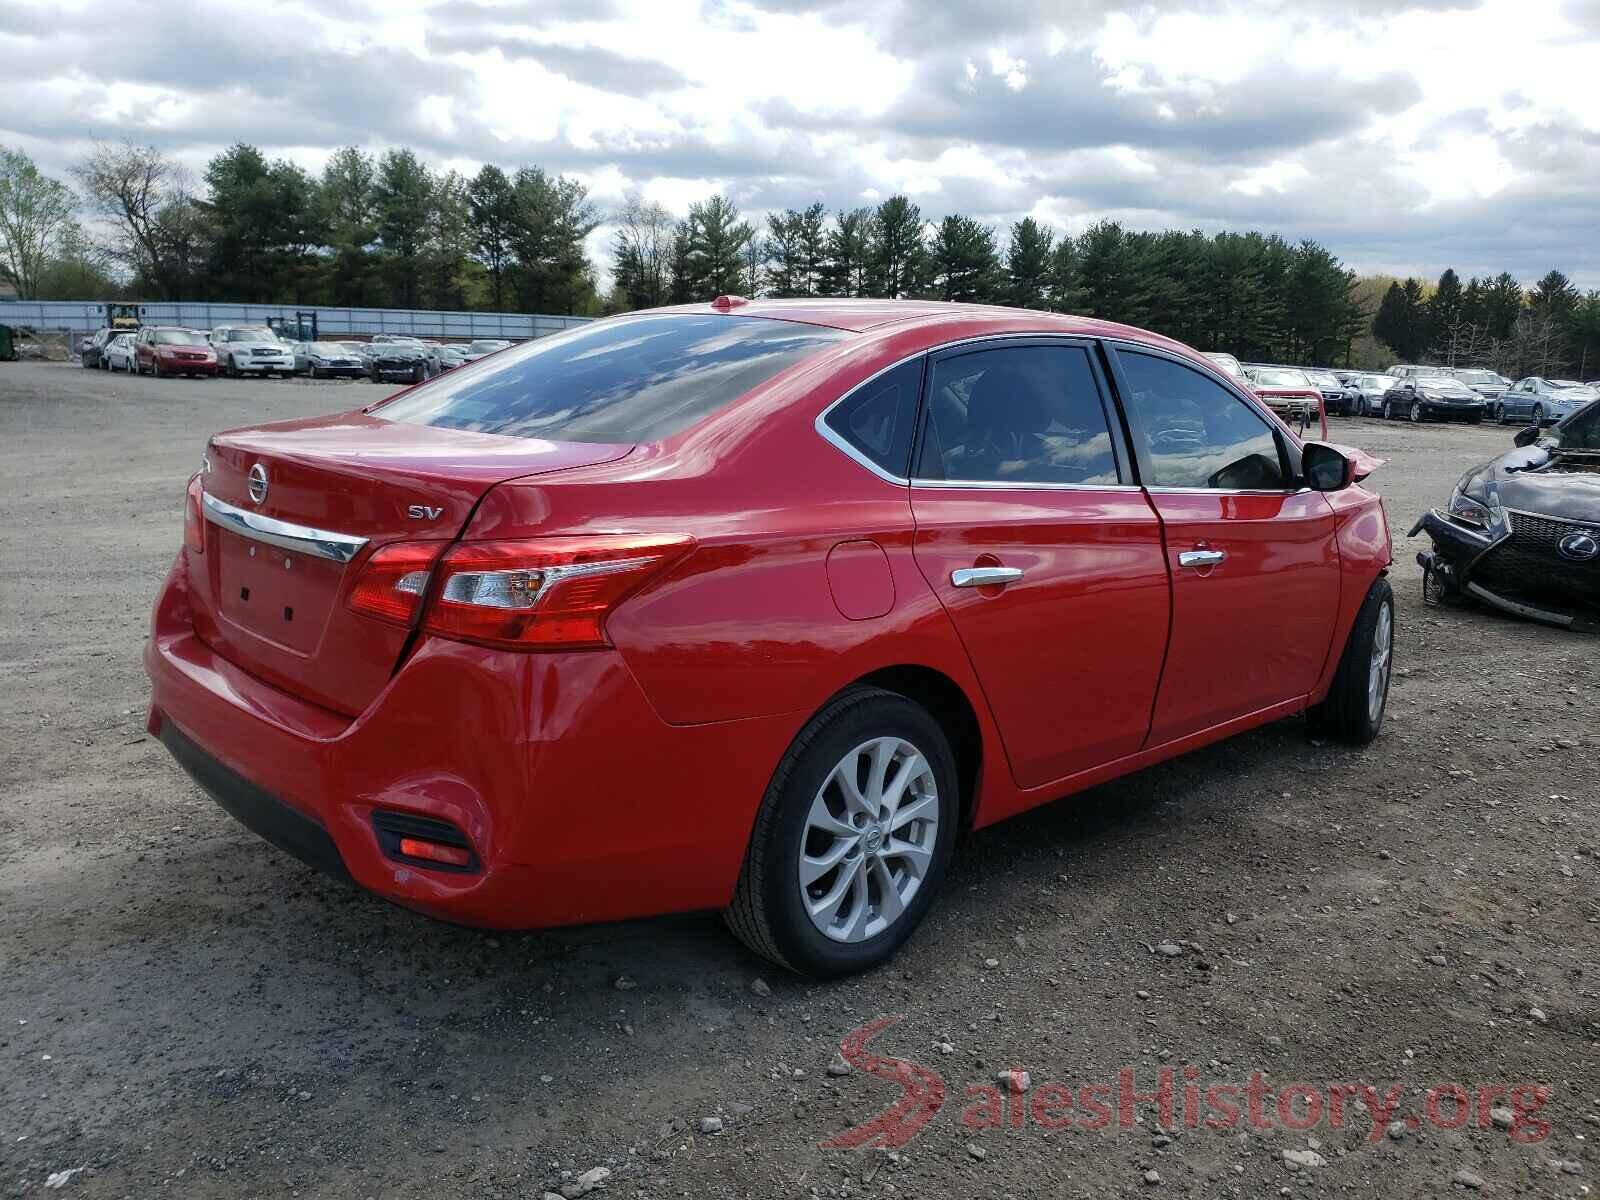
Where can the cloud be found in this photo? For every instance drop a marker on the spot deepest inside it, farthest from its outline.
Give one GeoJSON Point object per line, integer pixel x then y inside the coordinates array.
{"type": "Point", "coordinates": [1404, 134]}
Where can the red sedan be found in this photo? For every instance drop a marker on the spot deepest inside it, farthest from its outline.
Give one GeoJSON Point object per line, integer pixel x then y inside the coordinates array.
{"type": "Point", "coordinates": [753, 606]}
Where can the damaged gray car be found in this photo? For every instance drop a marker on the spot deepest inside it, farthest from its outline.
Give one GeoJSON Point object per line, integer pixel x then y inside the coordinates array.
{"type": "Point", "coordinates": [1522, 532]}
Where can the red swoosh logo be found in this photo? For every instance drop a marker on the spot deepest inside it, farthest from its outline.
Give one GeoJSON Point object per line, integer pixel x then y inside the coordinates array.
{"type": "Point", "coordinates": [922, 1092]}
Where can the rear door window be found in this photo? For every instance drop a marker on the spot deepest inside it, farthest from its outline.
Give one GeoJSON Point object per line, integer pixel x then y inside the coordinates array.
{"type": "Point", "coordinates": [1028, 414]}
{"type": "Point", "coordinates": [635, 379]}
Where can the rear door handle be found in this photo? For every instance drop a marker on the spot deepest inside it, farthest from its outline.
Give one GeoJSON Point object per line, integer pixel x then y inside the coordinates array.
{"type": "Point", "coordinates": [1201, 558]}
{"type": "Point", "coordinates": [985, 576]}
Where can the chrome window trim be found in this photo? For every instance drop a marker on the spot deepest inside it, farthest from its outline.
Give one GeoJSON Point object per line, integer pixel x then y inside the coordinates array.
{"type": "Point", "coordinates": [1000, 485]}
{"type": "Point", "coordinates": [829, 435]}
{"type": "Point", "coordinates": [1209, 491]}
{"type": "Point", "coordinates": [286, 535]}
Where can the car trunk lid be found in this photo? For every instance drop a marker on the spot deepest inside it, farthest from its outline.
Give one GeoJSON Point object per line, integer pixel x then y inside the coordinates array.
{"type": "Point", "coordinates": [295, 510]}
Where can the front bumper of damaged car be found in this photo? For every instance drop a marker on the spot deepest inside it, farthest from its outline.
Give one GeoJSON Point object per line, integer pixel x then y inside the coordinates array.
{"type": "Point", "coordinates": [1460, 545]}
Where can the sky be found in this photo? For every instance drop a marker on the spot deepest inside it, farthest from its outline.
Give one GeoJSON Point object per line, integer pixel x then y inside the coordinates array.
{"type": "Point", "coordinates": [1406, 137]}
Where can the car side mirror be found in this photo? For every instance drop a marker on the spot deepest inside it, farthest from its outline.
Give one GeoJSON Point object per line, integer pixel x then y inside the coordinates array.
{"type": "Point", "coordinates": [1326, 468]}
{"type": "Point", "coordinates": [1526, 437]}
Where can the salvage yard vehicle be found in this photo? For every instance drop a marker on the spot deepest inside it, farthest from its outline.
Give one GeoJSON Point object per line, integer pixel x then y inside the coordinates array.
{"type": "Point", "coordinates": [484, 347]}
{"type": "Point", "coordinates": [1486, 383]}
{"type": "Point", "coordinates": [118, 353]}
{"type": "Point", "coordinates": [753, 606]}
{"type": "Point", "coordinates": [329, 360]}
{"type": "Point", "coordinates": [1522, 532]}
{"type": "Point", "coordinates": [1291, 395]}
{"type": "Point", "coordinates": [1364, 393]}
{"type": "Point", "coordinates": [1542, 401]}
{"type": "Point", "coordinates": [166, 350]}
{"type": "Point", "coordinates": [1439, 397]}
{"type": "Point", "coordinates": [1331, 388]}
{"type": "Point", "coordinates": [251, 350]}
{"type": "Point", "coordinates": [400, 358]}
{"type": "Point", "coordinates": [93, 355]}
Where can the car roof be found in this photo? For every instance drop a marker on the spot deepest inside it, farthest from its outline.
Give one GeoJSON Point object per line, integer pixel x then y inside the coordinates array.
{"type": "Point", "coordinates": [860, 316]}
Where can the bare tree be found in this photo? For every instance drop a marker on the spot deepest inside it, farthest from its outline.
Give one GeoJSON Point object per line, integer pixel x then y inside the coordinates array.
{"type": "Point", "coordinates": [35, 214]}
{"type": "Point", "coordinates": [641, 248]}
{"type": "Point", "coordinates": [146, 196]}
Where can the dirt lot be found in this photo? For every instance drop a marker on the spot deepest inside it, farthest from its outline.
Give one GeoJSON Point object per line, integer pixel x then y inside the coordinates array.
{"type": "Point", "coordinates": [186, 1011]}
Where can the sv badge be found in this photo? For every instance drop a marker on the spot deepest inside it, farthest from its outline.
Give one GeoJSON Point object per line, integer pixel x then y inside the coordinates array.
{"type": "Point", "coordinates": [422, 512]}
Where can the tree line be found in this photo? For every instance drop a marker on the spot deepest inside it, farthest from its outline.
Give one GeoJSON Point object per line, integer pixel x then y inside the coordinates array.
{"type": "Point", "coordinates": [387, 230]}
{"type": "Point", "coordinates": [1551, 330]}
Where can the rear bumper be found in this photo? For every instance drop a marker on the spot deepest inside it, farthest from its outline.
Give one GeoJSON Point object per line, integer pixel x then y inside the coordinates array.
{"type": "Point", "coordinates": [257, 810]}
{"type": "Point", "coordinates": [579, 802]}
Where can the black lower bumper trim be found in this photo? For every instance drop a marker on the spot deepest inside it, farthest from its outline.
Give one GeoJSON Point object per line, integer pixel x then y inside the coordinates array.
{"type": "Point", "coordinates": [256, 809]}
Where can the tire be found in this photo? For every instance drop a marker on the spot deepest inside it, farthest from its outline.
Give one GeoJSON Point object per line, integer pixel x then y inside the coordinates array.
{"type": "Point", "coordinates": [419, 372]}
{"type": "Point", "coordinates": [1417, 412]}
{"type": "Point", "coordinates": [1388, 411]}
{"type": "Point", "coordinates": [1538, 415]}
{"type": "Point", "coordinates": [314, 373]}
{"type": "Point", "coordinates": [232, 368]}
{"type": "Point", "coordinates": [1348, 715]}
{"type": "Point", "coordinates": [1475, 419]}
{"type": "Point", "coordinates": [769, 912]}
{"type": "Point", "coordinates": [1499, 414]}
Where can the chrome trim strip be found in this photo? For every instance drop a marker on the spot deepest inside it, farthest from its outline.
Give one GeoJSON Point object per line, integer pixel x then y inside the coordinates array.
{"type": "Point", "coordinates": [337, 547]}
{"type": "Point", "coordinates": [1198, 491]}
{"type": "Point", "coordinates": [828, 435]}
{"type": "Point", "coordinates": [1004, 485]}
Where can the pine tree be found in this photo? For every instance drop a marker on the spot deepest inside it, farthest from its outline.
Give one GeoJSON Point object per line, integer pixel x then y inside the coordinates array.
{"type": "Point", "coordinates": [1028, 258]}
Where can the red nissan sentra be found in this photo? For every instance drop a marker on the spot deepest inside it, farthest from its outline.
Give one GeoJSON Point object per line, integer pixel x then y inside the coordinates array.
{"type": "Point", "coordinates": [753, 606]}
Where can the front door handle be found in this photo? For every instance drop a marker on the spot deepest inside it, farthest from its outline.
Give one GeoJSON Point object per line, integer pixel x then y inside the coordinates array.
{"type": "Point", "coordinates": [985, 576]}
{"type": "Point", "coordinates": [1201, 558]}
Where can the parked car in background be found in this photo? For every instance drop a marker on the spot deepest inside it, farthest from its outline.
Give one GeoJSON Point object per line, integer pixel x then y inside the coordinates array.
{"type": "Point", "coordinates": [1433, 397]}
{"type": "Point", "coordinates": [168, 350]}
{"type": "Point", "coordinates": [1542, 401]}
{"type": "Point", "coordinates": [251, 350]}
{"type": "Point", "coordinates": [451, 357]}
{"type": "Point", "coordinates": [359, 349]}
{"type": "Point", "coordinates": [486, 346]}
{"type": "Point", "coordinates": [1326, 382]}
{"type": "Point", "coordinates": [331, 360]}
{"type": "Point", "coordinates": [1288, 392]}
{"type": "Point", "coordinates": [94, 354]}
{"type": "Point", "coordinates": [754, 610]}
{"type": "Point", "coordinates": [1364, 393]}
{"type": "Point", "coordinates": [118, 353]}
{"type": "Point", "coordinates": [1486, 383]}
{"type": "Point", "coordinates": [400, 358]}
{"type": "Point", "coordinates": [1522, 532]}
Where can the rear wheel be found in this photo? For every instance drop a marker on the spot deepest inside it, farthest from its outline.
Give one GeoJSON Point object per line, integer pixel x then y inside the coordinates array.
{"type": "Point", "coordinates": [853, 837]}
{"type": "Point", "coordinates": [1353, 711]}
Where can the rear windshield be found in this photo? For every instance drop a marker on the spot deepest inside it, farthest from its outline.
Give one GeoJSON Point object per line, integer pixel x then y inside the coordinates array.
{"type": "Point", "coordinates": [635, 379]}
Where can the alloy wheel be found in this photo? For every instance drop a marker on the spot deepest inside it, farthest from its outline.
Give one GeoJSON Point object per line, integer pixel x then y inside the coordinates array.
{"type": "Point", "coordinates": [1378, 669]}
{"type": "Point", "coordinates": [869, 839]}
{"type": "Point", "coordinates": [1416, 410]}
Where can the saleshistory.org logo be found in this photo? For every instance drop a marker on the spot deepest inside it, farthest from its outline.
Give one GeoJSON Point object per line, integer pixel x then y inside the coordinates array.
{"type": "Point", "coordinates": [1177, 1098]}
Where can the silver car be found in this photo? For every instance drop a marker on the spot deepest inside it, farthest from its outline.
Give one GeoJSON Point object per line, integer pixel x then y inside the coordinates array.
{"type": "Point", "coordinates": [118, 353]}
{"type": "Point", "coordinates": [1364, 393]}
{"type": "Point", "coordinates": [251, 350]}
{"type": "Point", "coordinates": [484, 347]}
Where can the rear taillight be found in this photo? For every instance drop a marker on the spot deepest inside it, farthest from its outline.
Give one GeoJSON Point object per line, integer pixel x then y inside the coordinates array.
{"type": "Point", "coordinates": [543, 593]}
{"type": "Point", "coordinates": [394, 581]}
{"type": "Point", "coordinates": [194, 530]}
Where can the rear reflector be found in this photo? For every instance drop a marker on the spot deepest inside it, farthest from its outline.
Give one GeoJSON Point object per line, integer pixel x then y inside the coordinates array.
{"type": "Point", "coordinates": [394, 581]}
{"type": "Point", "coordinates": [425, 840]}
{"type": "Point", "coordinates": [433, 852]}
{"type": "Point", "coordinates": [544, 593]}
{"type": "Point", "coordinates": [194, 529]}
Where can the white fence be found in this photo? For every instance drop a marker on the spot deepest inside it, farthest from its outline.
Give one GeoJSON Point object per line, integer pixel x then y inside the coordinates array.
{"type": "Point", "coordinates": [85, 316]}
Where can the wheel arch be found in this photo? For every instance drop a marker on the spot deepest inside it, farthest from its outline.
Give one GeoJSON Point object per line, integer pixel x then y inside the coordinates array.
{"type": "Point", "coordinates": [950, 706]}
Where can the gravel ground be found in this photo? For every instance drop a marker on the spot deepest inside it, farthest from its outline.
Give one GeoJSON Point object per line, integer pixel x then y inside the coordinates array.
{"type": "Point", "coordinates": [185, 1010]}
